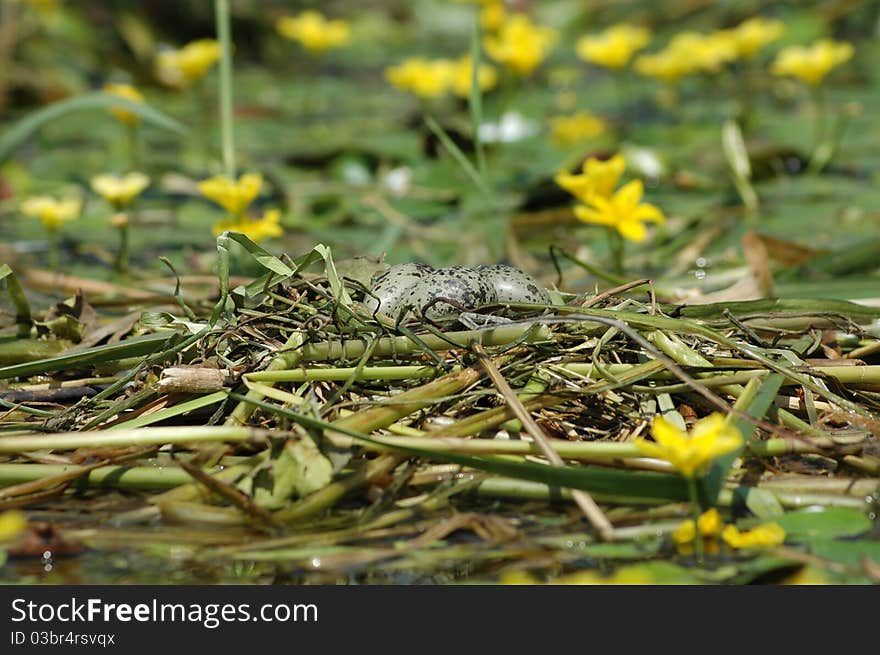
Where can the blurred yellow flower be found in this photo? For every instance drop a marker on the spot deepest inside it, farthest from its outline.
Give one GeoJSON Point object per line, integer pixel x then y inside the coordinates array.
{"type": "Point", "coordinates": [233, 196]}
{"type": "Point", "coordinates": [462, 73]}
{"type": "Point", "coordinates": [253, 229]}
{"type": "Point", "coordinates": [567, 130]}
{"type": "Point", "coordinates": [812, 64]}
{"type": "Point", "coordinates": [314, 32]}
{"type": "Point", "coordinates": [492, 15]}
{"type": "Point", "coordinates": [751, 35]}
{"type": "Point", "coordinates": [120, 191]}
{"type": "Point", "coordinates": [665, 65]}
{"type": "Point", "coordinates": [52, 212]}
{"type": "Point", "coordinates": [614, 47]}
{"type": "Point", "coordinates": [520, 44]}
{"type": "Point", "coordinates": [711, 437]}
{"type": "Point", "coordinates": [426, 78]}
{"type": "Point", "coordinates": [180, 68]}
{"type": "Point", "coordinates": [129, 93]}
{"type": "Point", "coordinates": [768, 535]}
{"type": "Point", "coordinates": [12, 523]}
{"type": "Point", "coordinates": [623, 211]}
{"type": "Point", "coordinates": [599, 178]}
{"type": "Point", "coordinates": [710, 525]}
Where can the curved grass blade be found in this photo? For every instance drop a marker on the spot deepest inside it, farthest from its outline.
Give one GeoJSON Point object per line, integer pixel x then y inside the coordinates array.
{"type": "Point", "coordinates": [640, 484]}
{"type": "Point", "coordinates": [134, 347]}
{"type": "Point", "coordinates": [22, 130]}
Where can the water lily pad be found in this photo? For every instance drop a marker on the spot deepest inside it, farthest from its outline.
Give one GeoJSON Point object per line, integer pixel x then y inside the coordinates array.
{"type": "Point", "coordinates": [825, 523]}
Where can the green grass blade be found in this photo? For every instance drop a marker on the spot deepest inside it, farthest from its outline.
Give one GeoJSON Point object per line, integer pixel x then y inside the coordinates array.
{"type": "Point", "coordinates": [475, 99]}
{"type": "Point", "coordinates": [458, 155]}
{"type": "Point", "coordinates": [757, 408]}
{"type": "Point", "coordinates": [22, 130]}
{"type": "Point", "coordinates": [641, 484]}
{"type": "Point", "coordinates": [135, 347]}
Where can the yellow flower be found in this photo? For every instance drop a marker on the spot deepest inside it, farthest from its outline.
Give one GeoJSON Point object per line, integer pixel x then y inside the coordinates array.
{"type": "Point", "coordinates": [812, 64]}
{"type": "Point", "coordinates": [180, 68]}
{"type": "Point", "coordinates": [598, 178]}
{"type": "Point", "coordinates": [234, 197]}
{"type": "Point", "coordinates": [462, 73]}
{"type": "Point", "coordinates": [711, 437]}
{"type": "Point", "coordinates": [753, 34]}
{"type": "Point", "coordinates": [614, 47]}
{"type": "Point", "coordinates": [422, 77]}
{"type": "Point", "coordinates": [666, 66]}
{"type": "Point", "coordinates": [313, 31]}
{"type": "Point", "coordinates": [768, 535]}
{"type": "Point", "coordinates": [129, 93]}
{"type": "Point", "coordinates": [567, 130]}
{"type": "Point", "coordinates": [492, 15]}
{"type": "Point", "coordinates": [120, 191]}
{"type": "Point", "coordinates": [710, 525]}
{"type": "Point", "coordinates": [623, 211]}
{"type": "Point", "coordinates": [253, 229]}
{"type": "Point", "coordinates": [520, 44]}
{"type": "Point", "coordinates": [12, 523]}
{"type": "Point", "coordinates": [53, 213]}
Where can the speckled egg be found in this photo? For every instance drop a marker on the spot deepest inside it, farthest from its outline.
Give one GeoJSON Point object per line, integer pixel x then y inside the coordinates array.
{"type": "Point", "coordinates": [391, 287]}
{"type": "Point", "coordinates": [467, 287]}
{"type": "Point", "coordinates": [513, 285]}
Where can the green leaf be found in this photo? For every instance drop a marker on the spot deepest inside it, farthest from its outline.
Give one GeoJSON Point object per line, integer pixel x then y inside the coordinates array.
{"type": "Point", "coordinates": [824, 523]}
{"type": "Point", "coordinates": [759, 405]}
{"type": "Point", "coordinates": [19, 300]}
{"type": "Point", "coordinates": [851, 553]}
{"type": "Point", "coordinates": [22, 130]}
{"type": "Point", "coordinates": [301, 469]}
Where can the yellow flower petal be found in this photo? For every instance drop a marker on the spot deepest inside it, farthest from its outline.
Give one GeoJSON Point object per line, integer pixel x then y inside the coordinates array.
{"type": "Point", "coordinates": [233, 196]}
{"type": "Point", "coordinates": [129, 93]}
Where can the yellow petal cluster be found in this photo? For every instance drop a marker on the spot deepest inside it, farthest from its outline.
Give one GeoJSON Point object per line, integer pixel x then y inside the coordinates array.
{"type": "Point", "coordinates": [120, 191]}
{"type": "Point", "coordinates": [688, 53]}
{"type": "Point", "coordinates": [426, 78]}
{"type": "Point", "coordinates": [234, 196]}
{"type": "Point", "coordinates": [710, 438]}
{"type": "Point", "coordinates": [615, 47]}
{"type": "Point", "coordinates": [313, 31]}
{"type": "Point", "coordinates": [254, 229]}
{"type": "Point", "coordinates": [51, 211]}
{"type": "Point", "coordinates": [709, 523]}
{"type": "Point", "coordinates": [624, 211]}
{"type": "Point", "coordinates": [751, 35]}
{"type": "Point", "coordinates": [433, 78]}
{"type": "Point", "coordinates": [598, 177]}
{"type": "Point", "coordinates": [811, 64]}
{"type": "Point", "coordinates": [519, 44]}
{"type": "Point", "coordinates": [567, 130]}
{"type": "Point", "coordinates": [768, 535]}
{"type": "Point", "coordinates": [712, 526]}
{"type": "Point", "coordinates": [128, 92]}
{"type": "Point", "coordinates": [180, 68]}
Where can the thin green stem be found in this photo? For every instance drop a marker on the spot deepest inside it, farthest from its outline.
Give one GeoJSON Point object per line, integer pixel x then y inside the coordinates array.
{"type": "Point", "coordinates": [695, 512]}
{"type": "Point", "coordinates": [224, 36]}
{"type": "Point", "coordinates": [616, 245]}
{"type": "Point", "coordinates": [122, 256]}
